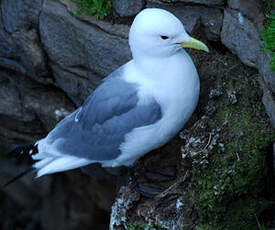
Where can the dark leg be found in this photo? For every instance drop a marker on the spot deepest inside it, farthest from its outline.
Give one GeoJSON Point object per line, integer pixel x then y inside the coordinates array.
{"type": "Point", "coordinates": [163, 174]}
{"type": "Point", "coordinates": [146, 191]}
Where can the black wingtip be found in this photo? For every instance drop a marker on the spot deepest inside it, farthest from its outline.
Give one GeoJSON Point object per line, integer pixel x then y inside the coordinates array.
{"type": "Point", "coordinates": [30, 170]}
{"type": "Point", "coordinates": [24, 150]}
{"type": "Point", "coordinates": [23, 153]}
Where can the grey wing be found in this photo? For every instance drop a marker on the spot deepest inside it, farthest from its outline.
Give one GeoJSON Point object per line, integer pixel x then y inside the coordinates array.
{"type": "Point", "coordinates": [97, 129]}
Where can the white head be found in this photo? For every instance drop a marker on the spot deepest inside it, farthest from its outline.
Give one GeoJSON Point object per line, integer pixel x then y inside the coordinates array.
{"type": "Point", "coordinates": [157, 33]}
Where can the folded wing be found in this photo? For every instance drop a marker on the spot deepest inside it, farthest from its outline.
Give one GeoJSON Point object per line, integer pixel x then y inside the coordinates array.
{"type": "Point", "coordinates": [94, 132]}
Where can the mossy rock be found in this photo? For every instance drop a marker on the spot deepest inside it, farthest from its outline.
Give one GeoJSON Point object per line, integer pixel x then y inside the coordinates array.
{"type": "Point", "coordinates": [228, 193]}
{"type": "Point", "coordinates": [222, 166]}
{"type": "Point", "coordinates": [99, 8]}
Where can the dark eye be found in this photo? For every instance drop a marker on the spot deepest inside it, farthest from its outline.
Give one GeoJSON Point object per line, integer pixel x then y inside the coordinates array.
{"type": "Point", "coordinates": [164, 37]}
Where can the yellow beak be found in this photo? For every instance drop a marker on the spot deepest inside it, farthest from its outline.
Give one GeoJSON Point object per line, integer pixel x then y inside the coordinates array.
{"type": "Point", "coordinates": [194, 44]}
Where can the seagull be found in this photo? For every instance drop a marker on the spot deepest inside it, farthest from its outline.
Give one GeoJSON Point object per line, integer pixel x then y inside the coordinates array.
{"type": "Point", "coordinates": [137, 108]}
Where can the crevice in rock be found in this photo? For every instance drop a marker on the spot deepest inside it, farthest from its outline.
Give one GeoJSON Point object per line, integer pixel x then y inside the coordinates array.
{"type": "Point", "coordinates": [46, 56]}
{"type": "Point", "coordinates": [2, 21]}
{"type": "Point", "coordinates": [99, 28]}
{"type": "Point", "coordinates": [269, 215]}
{"type": "Point", "coordinates": [13, 63]}
{"type": "Point", "coordinates": [114, 18]}
{"type": "Point", "coordinates": [176, 3]}
{"type": "Point", "coordinates": [89, 23]}
{"type": "Point", "coordinates": [219, 47]}
{"type": "Point", "coordinates": [84, 68]}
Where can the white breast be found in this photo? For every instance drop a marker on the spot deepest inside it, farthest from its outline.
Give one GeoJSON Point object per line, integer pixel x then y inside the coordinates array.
{"type": "Point", "coordinates": [175, 86]}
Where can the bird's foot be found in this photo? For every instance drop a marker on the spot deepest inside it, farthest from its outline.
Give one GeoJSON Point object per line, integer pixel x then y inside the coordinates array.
{"type": "Point", "coordinates": [152, 176]}
{"type": "Point", "coordinates": [164, 174]}
{"type": "Point", "coordinates": [147, 191]}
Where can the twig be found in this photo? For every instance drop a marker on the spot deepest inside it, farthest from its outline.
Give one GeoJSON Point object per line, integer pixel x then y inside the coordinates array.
{"type": "Point", "coordinates": [209, 140]}
{"type": "Point", "coordinates": [208, 143]}
{"type": "Point", "coordinates": [172, 187]}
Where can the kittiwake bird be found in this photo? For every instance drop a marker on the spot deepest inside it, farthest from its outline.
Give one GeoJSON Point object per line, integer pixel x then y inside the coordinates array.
{"type": "Point", "coordinates": [137, 108]}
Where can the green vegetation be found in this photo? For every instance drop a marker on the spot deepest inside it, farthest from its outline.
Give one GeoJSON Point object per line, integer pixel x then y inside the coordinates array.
{"type": "Point", "coordinates": [268, 6]}
{"type": "Point", "coordinates": [228, 194]}
{"type": "Point", "coordinates": [269, 39]}
{"type": "Point", "coordinates": [130, 226]}
{"type": "Point", "coordinates": [99, 8]}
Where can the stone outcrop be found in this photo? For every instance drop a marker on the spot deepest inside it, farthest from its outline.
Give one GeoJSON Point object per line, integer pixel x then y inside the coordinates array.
{"type": "Point", "coordinates": [240, 35]}
{"type": "Point", "coordinates": [194, 17]}
{"type": "Point", "coordinates": [77, 52]}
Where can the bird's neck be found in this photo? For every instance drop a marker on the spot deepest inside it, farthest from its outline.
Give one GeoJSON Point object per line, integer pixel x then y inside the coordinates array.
{"type": "Point", "coordinates": [174, 73]}
{"type": "Point", "coordinates": [158, 67]}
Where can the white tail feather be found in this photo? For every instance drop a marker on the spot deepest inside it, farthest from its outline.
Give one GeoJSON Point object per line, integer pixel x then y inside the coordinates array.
{"type": "Point", "coordinates": [41, 156]}
{"type": "Point", "coordinates": [42, 163]}
{"type": "Point", "coordinates": [59, 164]}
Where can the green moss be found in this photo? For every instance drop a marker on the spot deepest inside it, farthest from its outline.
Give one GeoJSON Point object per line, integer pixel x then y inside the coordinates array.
{"type": "Point", "coordinates": [269, 39]}
{"type": "Point", "coordinates": [268, 6]}
{"type": "Point", "coordinates": [99, 8]}
{"type": "Point", "coordinates": [131, 226]}
{"type": "Point", "coordinates": [229, 193]}
{"type": "Point", "coordinates": [205, 227]}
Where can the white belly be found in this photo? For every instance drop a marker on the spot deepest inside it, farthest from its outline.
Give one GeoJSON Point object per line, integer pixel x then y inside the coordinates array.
{"type": "Point", "coordinates": [177, 95]}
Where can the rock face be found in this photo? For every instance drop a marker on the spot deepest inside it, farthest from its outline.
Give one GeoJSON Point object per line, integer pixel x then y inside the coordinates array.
{"type": "Point", "coordinates": [20, 27]}
{"type": "Point", "coordinates": [127, 8]}
{"type": "Point", "coordinates": [202, 2]}
{"type": "Point", "coordinates": [68, 42]}
{"type": "Point", "coordinates": [194, 17]}
{"type": "Point", "coordinates": [50, 61]}
{"type": "Point", "coordinates": [77, 52]}
{"type": "Point", "coordinates": [20, 14]}
{"type": "Point", "coordinates": [248, 8]}
{"type": "Point", "coordinates": [240, 35]}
